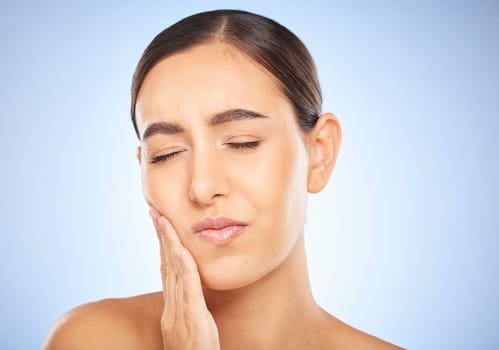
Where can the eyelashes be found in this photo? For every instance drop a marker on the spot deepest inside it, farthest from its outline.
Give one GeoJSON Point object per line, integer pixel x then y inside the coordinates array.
{"type": "Point", "coordinates": [234, 145]}
{"type": "Point", "coordinates": [242, 145]}
{"type": "Point", "coordinates": [164, 157]}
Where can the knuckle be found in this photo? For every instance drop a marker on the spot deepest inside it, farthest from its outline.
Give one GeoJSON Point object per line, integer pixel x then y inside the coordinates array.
{"type": "Point", "coordinates": [166, 325]}
{"type": "Point", "coordinates": [174, 337]}
{"type": "Point", "coordinates": [164, 270]}
{"type": "Point", "coordinates": [187, 296]}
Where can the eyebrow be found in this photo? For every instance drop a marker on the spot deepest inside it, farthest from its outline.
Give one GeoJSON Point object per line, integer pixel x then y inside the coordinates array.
{"type": "Point", "coordinates": [234, 114]}
{"type": "Point", "coordinates": [227, 116]}
{"type": "Point", "coordinates": [161, 128]}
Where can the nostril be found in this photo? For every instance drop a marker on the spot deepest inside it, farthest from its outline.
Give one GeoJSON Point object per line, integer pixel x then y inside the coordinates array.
{"type": "Point", "coordinates": [205, 193]}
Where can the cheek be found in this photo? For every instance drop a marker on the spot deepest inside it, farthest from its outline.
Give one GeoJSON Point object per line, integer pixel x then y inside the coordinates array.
{"type": "Point", "coordinates": [162, 189]}
{"type": "Point", "coordinates": [278, 170]}
{"type": "Point", "coordinates": [281, 179]}
{"type": "Point", "coordinates": [277, 189]}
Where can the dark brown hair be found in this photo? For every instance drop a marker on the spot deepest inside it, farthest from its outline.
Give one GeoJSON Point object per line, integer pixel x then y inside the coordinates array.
{"type": "Point", "coordinates": [265, 41]}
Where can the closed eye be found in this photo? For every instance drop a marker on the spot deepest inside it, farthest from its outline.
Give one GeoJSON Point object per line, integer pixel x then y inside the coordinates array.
{"type": "Point", "coordinates": [165, 157]}
{"type": "Point", "coordinates": [242, 145]}
{"type": "Point", "coordinates": [235, 145]}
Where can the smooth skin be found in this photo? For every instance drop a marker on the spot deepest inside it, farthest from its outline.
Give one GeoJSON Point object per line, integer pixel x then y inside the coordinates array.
{"type": "Point", "coordinates": [186, 322]}
{"type": "Point", "coordinates": [253, 293]}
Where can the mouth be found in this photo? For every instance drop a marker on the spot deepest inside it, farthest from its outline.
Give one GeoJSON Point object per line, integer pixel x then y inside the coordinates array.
{"type": "Point", "coordinates": [218, 230]}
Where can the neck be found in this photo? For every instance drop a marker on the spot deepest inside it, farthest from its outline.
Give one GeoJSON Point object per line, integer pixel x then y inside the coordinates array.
{"type": "Point", "coordinates": [279, 307]}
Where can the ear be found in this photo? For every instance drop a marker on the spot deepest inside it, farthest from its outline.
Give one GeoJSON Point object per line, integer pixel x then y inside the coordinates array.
{"type": "Point", "coordinates": [139, 155]}
{"type": "Point", "coordinates": [323, 145]}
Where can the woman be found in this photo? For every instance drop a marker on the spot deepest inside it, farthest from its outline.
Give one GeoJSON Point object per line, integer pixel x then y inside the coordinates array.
{"type": "Point", "coordinates": [227, 108]}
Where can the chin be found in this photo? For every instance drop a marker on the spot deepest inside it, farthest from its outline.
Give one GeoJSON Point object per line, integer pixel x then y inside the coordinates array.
{"type": "Point", "coordinates": [229, 273]}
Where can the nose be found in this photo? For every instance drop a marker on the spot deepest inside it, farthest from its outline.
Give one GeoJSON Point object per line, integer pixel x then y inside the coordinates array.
{"type": "Point", "coordinates": [208, 180]}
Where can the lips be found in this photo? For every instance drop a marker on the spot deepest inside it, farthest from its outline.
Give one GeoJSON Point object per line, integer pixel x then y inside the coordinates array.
{"type": "Point", "coordinates": [218, 230]}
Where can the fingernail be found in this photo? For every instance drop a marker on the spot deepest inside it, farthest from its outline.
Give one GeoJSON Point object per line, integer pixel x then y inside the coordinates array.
{"type": "Point", "coordinates": [163, 223]}
{"type": "Point", "coordinates": [152, 213]}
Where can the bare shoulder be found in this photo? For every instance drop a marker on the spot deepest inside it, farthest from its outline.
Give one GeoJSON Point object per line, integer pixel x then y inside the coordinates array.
{"type": "Point", "coordinates": [348, 337]}
{"type": "Point", "coordinates": [126, 323]}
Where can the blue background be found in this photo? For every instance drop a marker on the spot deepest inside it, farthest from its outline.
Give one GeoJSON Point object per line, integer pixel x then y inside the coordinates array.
{"type": "Point", "coordinates": [403, 243]}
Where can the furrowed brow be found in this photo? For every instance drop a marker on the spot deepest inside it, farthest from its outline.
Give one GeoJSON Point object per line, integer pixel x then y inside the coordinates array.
{"type": "Point", "coordinates": [227, 116]}
{"type": "Point", "coordinates": [233, 115]}
{"type": "Point", "coordinates": [161, 128]}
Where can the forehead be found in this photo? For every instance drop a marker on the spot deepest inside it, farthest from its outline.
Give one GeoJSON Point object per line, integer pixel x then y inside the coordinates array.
{"type": "Point", "coordinates": [204, 80]}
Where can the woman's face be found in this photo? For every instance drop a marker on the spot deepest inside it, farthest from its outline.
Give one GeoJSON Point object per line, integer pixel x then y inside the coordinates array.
{"type": "Point", "coordinates": [218, 138]}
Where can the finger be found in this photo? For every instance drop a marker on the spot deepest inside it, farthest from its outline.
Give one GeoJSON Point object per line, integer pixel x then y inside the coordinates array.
{"type": "Point", "coordinates": [179, 291]}
{"type": "Point", "coordinates": [168, 274]}
{"type": "Point", "coordinates": [170, 233]}
{"type": "Point", "coordinates": [154, 212]}
{"type": "Point", "coordinates": [164, 259]}
{"type": "Point", "coordinates": [170, 288]}
{"type": "Point", "coordinates": [194, 302]}
{"type": "Point", "coordinates": [173, 244]}
{"type": "Point", "coordinates": [155, 215]}
{"type": "Point", "coordinates": [164, 230]}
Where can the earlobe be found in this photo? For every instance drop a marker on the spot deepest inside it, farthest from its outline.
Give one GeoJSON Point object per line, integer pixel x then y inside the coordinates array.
{"type": "Point", "coordinates": [324, 144]}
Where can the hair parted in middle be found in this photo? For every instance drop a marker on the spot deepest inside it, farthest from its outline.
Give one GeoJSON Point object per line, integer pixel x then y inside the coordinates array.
{"type": "Point", "coordinates": [268, 43]}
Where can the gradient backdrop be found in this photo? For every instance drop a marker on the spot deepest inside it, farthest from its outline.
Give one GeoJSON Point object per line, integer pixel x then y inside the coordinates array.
{"type": "Point", "coordinates": [403, 243]}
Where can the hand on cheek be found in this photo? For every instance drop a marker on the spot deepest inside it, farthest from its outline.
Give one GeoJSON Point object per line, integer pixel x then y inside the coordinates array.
{"type": "Point", "coordinates": [186, 322]}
